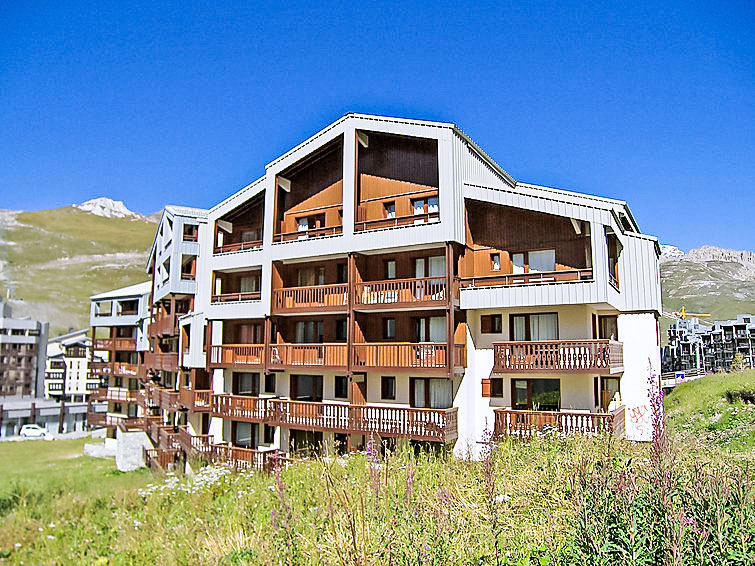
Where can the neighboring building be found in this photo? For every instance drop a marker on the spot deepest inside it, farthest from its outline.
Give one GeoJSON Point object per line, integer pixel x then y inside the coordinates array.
{"type": "Point", "coordinates": [387, 279]}
{"type": "Point", "coordinates": [50, 414]}
{"type": "Point", "coordinates": [67, 376]}
{"type": "Point", "coordinates": [23, 345]}
{"type": "Point", "coordinates": [693, 346]}
{"type": "Point", "coordinates": [118, 319]}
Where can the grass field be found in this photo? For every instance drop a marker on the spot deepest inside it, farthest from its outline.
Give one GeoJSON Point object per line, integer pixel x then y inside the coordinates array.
{"type": "Point", "coordinates": [680, 500]}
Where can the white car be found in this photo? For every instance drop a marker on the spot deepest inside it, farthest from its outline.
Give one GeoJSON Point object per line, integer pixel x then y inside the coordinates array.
{"type": "Point", "coordinates": [33, 431]}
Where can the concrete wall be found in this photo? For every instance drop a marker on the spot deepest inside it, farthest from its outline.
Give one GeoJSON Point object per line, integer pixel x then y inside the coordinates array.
{"type": "Point", "coordinates": [129, 454]}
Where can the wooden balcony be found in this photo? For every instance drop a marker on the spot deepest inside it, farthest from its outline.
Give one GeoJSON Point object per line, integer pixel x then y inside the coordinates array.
{"type": "Point", "coordinates": [236, 297]}
{"type": "Point", "coordinates": [399, 355]}
{"type": "Point", "coordinates": [288, 356]}
{"type": "Point", "coordinates": [545, 277]}
{"type": "Point", "coordinates": [161, 362]}
{"type": "Point", "coordinates": [236, 355]}
{"type": "Point", "coordinates": [437, 425]}
{"type": "Point", "coordinates": [159, 460]}
{"type": "Point", "coordinates": [102, 344]}
{"type": "Point", "coordinates": [162, 397]}
{"type": "Point", "coordinates": [560, 356]}
{"type": "Point", "coordinates": [528, 424]}
{"type": "Point", "coordinates": [114, 395]}
{"type": "Point", "coordinates": [194, 445]}
{"type": "Point", "coordinates": [317, 298]}
{"type": "Point", "coordinates": [112, 421]}
{"type": "Point", "coordinates": [124, 369]}
{"type": "Point", "coordinates": [308, 234]}
{"type": "Point", "coordinates": [246, 458]}
{"type": "Point", "coordinates": [196, 400]}
{"type": "Point", "coordinates": [100, 368]}
{"type": "Point", "coordinates": [163, 325]}
{"type": "Point", "coordinates": [238, 247]}
{"type": "Point", "coordinates": [420, 292]}
{"type": "Point", "coordinates": [168, 438]}
{"type": "Point", "coordinates": [240, 408]}
{"type": "Point", "coordinates": [397, 222]}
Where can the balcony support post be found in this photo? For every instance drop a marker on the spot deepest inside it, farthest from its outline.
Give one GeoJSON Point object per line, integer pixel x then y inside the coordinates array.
{"type": "Point", "coordinates": [351, 277]}
{"type": "Point", "coordinates": [449, 311]}
{"type": "Point", "coordinates": [267, 330]}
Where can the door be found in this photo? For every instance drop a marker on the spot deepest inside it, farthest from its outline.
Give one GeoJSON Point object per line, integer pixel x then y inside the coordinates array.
{"type": "Point", "coordinates": [358, 392]}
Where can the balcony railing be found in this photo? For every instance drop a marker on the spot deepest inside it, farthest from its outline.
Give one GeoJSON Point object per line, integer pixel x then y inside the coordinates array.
{"type": "Point", "coordinates": [188, 277]}
{"type": "Point", "coordinates": [562, 356]}
{"type": "Point", "coordinates": [162, 397]}
{"type": "Point", "coordinates": [115, 395]}
{"type": "Point", "coordinates": [100, 368]}
{"type": "Point", "coordinates": [196, 445]}
{"type": "Point", "coordinates": [402, 355]}
{"type": "Point", "coordinates": [394, 292]}
{"type": "Point", "coordinates": [159, 460]}
{"type": "Point", "coordinates": [333, 355]}
{"type": "Point", "coordinates": [411, 220]}
{"type": "Point", "coordinates": [168, 438]}
{"type": "Point", "coordinates": [246, 458]}
{"type": "Point", "coordinates": [308, 234]}
{"type": "Point", "coordinates": [236, 297]}
{"type": "Point", "coordinates": [112, 421]}
{"type": "Point", "coordinates": [125, 369]}
{"type": "Point", "coordinates": [238, 247]}
{"type": "Point", "coordinates": [438, 425]}
{"type": "Point", "coordinates": [527, 424]}
{"type": "Point", "coordinates": [163, 325]}
{"type": "Point", "coordinates": [544, 277]}
{"type": "Point", "coordinates": [240, 408]}
{"type": "Point", "coordinates": [161, 362]}
{"type": "Point", "coordinates": [316, 297]}
{"type": "Point", "coordinates": [196, 400]}
{"type": "Point", "coordinates": [231, 355]}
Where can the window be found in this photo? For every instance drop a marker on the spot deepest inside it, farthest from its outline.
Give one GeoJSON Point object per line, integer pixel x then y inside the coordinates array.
{"type": "Point", "coordinates": [243, 434]}
{"type": "Point", "coordinates": [390, 269]}
{"type": "Point", "coordinates": [270, 383]}
{"type": "Point", "coordinates": [496, 387]}
{"type": "Point", "coordinates": [343, 273]}
{"type": "Point", "coordinates": [250, 236]}
{"type": "Point", "coordinates": [433, 393]}
{"type": "Point", "coordinates": [309, 276]}
{"type": "Point", "coordinates": [244, 383]}
{"type": "Point", "coordinates": [527, 327]}
{"type": "Point", "coordinates": [536, 394]}
{"type": "Point", "coordinates": [309, 332]}
{"type": "Point", "coordinates": [341, 330]}
{"type": "Point", "coordinates": [495, 262]}
{"type": "Point", "coordinates": [249, 284]}
{"type": "Point", "coordinates": [269, 434]}
{"type": "Point", "coordinates": [341, 387]}
{"type": "Point", "coordinates": [388, 387]}
{"type": "Point", "coordinates": [389, 328]}
{"type": "Point", "coordinates": [390, 209]}
{"type": "Point", "coordinates": [418, 205]}
{"type": "Point", "coordinates": [608, 327]}
{"type": "Point", "coordinates": [306, 388]}
{"type": "Point", "coordinates": [491, 324]}
{"type": "Point", "coordinates": [533, 261]}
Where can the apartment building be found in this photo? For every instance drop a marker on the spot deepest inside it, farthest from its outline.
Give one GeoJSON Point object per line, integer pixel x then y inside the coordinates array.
{"type": "Point", "coordinates": [23, 345]}
{"type": "Point", "coordinates": [67, 374]}
{"type": "Point", "coordinates": [709, 348]}
{"type": "Point", "coordinates": [119, 336]}
{"type": "Point", "coordinates": [386, 279]}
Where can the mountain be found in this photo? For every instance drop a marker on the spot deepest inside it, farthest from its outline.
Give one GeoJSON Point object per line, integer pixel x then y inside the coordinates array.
{"type": "Point", "coordinates": [708, 280]}
{"type": "Point", "coordinates": [51, 261]}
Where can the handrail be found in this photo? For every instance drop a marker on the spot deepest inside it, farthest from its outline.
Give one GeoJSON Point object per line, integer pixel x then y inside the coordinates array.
{"type": "Point", "coordinates": [409, 290]}
{"type": "Point", "coordinates": [236, 297]}
{"type": "Point", "coordinates": [237, 247]}
{"type": "Point", "coordinates": [308, 234]}
{"type": "Point", "coordinates": [543, 277]}
{"type": "Point", "coordinates": [527, 424]}
{"type": "Point", "coordinates": [311, 296]}
{"type": "Point", "coordinates": [227, 355]}
{"type": "Point", "coordinates": [240, 407]}
{"type": "Point", "coordinates": [396, 222]}
{"type": "Point", "coordinates": [333, 354]}
{"type": "Point", "coordinates": [557, 355]}
{"type": "Point", "coordinates": [400, 355]}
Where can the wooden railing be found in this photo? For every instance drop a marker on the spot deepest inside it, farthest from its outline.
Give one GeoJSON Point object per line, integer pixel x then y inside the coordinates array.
{"type": "Point", "coordinates": [563, 356]}
{"type": "Point", "coordinates": [163, 325]}
{"type": "Point", "coordinates": [124, 344]}
{"type": "Point", "coordinates": [528, 278]}
{"type": "Point", "coordinates": [196, 445]}
{"type": "Point", "coordinates": [333, 355]}
{"type": "Point", "coordinates": [111, 421]}
{"type": "Point", "coordinates": [240, 408]}
{"type": "Point", "coordinates": [307, 234]}
{"type": "Point", "coordinates": [230, 355]}
{"type": "Point", "coordinates": [460, 355]}
{"type": "Point", "coordinates": [236, 297]}
{"type": "Point", "coordinates": [100, 368]}
{"type": "Point", "coordinates": [400, 355]}
{"type": "Point", "coordinates": [102, 343]}
{"type": "Point", "coordinates": [402, 291]}
{"type": "Point", "coordinates": [168, 438]}
{"type": "Point", "coordinates": [315, 297]}
{"type": "Point", "coordinates": [162, 397]}
{"type": "Point", "coordinates": [237, 247]}
{"type": "Point", "coordinates": [188, 276]}
{"type": "Point", "coordinates": [162, 362]}
{"type": "Point", "coordinates": [246, 458]}
{"type": "Point", "coordinates": [439, 425]}
{"type": "Point", "coordinates": [115, 395]}
{"type": "Point", "coordinates": [527, 424]}
{"type": "Point", "coordinates": [159, 460]}
{"type": "Point", "coordinates": [125, 369]}
{"type": "Point", "coordinates": [196, 400]}
{"type": "Point", "coordinates": [396, 222]}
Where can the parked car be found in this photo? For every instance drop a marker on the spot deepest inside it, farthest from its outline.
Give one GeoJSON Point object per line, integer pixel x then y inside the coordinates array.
{"type": "Point", "coordinates": [33, 431]}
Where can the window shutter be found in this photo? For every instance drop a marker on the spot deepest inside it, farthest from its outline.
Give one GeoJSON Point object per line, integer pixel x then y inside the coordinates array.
{"type": "Point", "coordinates": [486, 392]}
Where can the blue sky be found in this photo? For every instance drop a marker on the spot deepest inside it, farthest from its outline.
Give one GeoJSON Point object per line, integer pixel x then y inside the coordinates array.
{"type": "Point", "coordinates": [185, 103]}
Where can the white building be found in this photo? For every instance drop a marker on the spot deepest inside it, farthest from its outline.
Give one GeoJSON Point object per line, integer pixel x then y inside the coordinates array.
{"type": "Point", "coordinates": [22, 354]}
{"type": "Point", "coordinates": [67, 372]}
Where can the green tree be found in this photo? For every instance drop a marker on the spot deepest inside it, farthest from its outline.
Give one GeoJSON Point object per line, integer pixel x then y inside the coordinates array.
{"type": "Point", "coordinates": [738, 363]}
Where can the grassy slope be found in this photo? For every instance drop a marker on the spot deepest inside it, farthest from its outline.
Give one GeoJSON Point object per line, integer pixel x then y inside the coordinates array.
{"type": "Point", "coordinates": [58, 258]}
{"type": "Point", "coordinates": [700, 411]}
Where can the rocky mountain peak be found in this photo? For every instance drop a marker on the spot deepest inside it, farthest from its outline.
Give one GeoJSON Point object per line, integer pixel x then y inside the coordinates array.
{"type": "Point", "coordinates": [107, 208]}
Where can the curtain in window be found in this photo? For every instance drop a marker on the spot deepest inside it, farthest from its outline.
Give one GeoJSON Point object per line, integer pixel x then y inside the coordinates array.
{"type": "Point", "coordinates": [244, 434]}
{"type": "Point", "coordinates": [249, 284]}
{"type": "Point", "coordinates": [518, 263]}
{"type": "Point", "coordinates": [519, 329]}
{"type": "Point", "coordinates": [440, 393]}
{"type": "Point", "coordinates": [437, 329]}
{"type": "Point", "coordinates": [543, 260]}
{"type": "Point", "coordinates": [419, 393]}
{"type": "Point", "coordinates": [544, 327]}
{"type": "Point", "coordinates": [438, 266]}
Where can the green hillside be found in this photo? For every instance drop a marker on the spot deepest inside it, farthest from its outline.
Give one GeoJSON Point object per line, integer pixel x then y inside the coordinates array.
{"type": "Point", "coordinates": [53, 260]}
